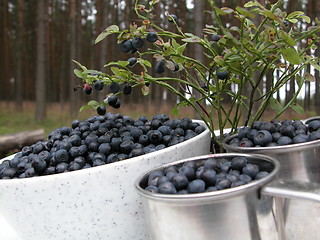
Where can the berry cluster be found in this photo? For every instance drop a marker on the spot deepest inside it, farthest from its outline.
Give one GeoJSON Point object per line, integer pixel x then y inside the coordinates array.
{"type": "Point", "coordinates": [204, 175]}
{"type": "Point", "coordinates": [96, 141]}
{"type": "Point", "coordinates": [276, 133]}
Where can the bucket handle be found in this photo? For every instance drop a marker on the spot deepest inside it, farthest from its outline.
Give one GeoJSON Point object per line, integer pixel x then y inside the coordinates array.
{"type": "Point", "coordinates": [292, 189]}
{"type": "Point", "coordinates": [283, 188]}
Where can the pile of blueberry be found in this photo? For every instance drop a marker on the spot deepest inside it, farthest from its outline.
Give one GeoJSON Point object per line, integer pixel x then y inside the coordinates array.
{"type": "Point", "coordinates": [276, 133]}
{"type": "Point", "coordinates": [204, 175]}
{"type": "Point", "coordinates": [96, 141]}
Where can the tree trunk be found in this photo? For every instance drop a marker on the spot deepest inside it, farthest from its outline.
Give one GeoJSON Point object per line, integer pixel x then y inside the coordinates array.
{"type": "Point", "coordinates": [41, 63]}
{"type": "Point", "coordinates": [73, 40]}
{"type": "Point", "coordinates": [14, 141]}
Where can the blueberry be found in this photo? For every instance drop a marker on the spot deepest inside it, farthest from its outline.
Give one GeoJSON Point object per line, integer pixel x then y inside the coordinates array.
{"type": "Point", "coordinates": [262, 138]}
{"type": "Point", "coordinates": [117, 104]}
{"type": "Point", "coordinates": [284, 140]}
{"type": "Point", "coordinates": [172, 18]}
{"type": "Point", "coordinates": [211, 189]}
{"type": "Point", "coordinates": [114, 87]}
{"type": "Point", "coordinates": [225, 166]}
{"type": "Point", "coordinates": [8, 173]}
{"type": "Point", "coordinates": [222, 74]}
{"type": "Point", "coordinates": [251, 133]}
{"type": "Point", "coordinates": [127, 89]}
{"type": "Point", "coordinates": [242, 133]}
{"type": "Point", "coordinates": [61, 156]}
{"type": "Point", "coordinates": [160, 67]}
{"type": "Point", "coordinates": [132, 61]}
{"type": "Point", "coordinates": [300, 138]}
{"type": "Point", "coordinates": [75, 140]}
{"type": "Point", "coordinates": [162, 179]}
{"type": "Point", "coordinates": [251, 170]}
{"type": "Point", "coordinates": [152, 37]}
{"type": "Point", "coordinates": [256, 125]}
{"type": "Point", "coordinates": [276, 136]}
{"type": "Point", "coordinates": [245, 178]}
{"type": "Point", "coordinates": [170, 175]}
{"type": "Point", "coordinates": [223, 184]}
{"type": "Point", "coordinates": [26, 150]}
{"type": "Point", "coordinates": [170, 169]}
{"type": "Point", "coordinates": [261, 175]}
{"type": "Point", "coordinates": [180, 181]}
{"type": "Point", "coordinates": [154, 136]}
{"type": "Point", "coordinates": [153, 189]}
{"type": "Point", "coordinates": [98, 85]}
{"type": "Point", "coordinates": [215, 37]}
{"type": "Point", "coordinates": [112, 100]}
{"type": "Point", "coordinates": [74, 166]}
{"type": "Point", "coordinates": [209, 177]}
{"type": "Point", "coordinates": [137, 42]}
{"type": "Point", "coordinates": [101, 110]}
{"type": "Point", "coordinates": [87, 89]}
{"type": "Point", "coordinates": [196, 186]}
{"type": "Point", "coordinates": [113, 157]}
{"type": "Point", "coordinates": [126, 146]}
{"type": "Point", "coordinates": [167, 188]}
{"type": "Point", "coordinates": [165, 130]}
{"type": "Point", "coordinates": [237, 183]}
{"type": "Point", "coordinates": [237, 163]}
{"type": "Point", "coordinates": [188, 171]}
{"type": "Point", "coordinates": [314, 125]}
{"type": "Point", "coordinates": [30, 172]}
{"type": "Point", "coordinates": [39, 165]}
{"type": "Point", "coordinates": [245, 143]}
{"type": "Point", "coordinates": [80, 160]}
{"type": "Point", "coordinates": [199, 129]}
{"type": "Point", "coordinates": [126, 46]}
{"type": "Point", "coordinates": [315, 135]}
{"type": "Point", "coordinates": [97, 162]}
{"type": "Point", "coordinates": [287, 130]}
{"type": "Point", "coordinates": [268, 126]}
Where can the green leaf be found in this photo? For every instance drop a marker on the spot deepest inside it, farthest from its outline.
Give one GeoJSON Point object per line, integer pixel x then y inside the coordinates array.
{"type": "Point", "coordinates": [192, 39]}
{"type": "Point", "coordinates": [275, 105]}
{"type": "Point", "coordinates": [297, 108]}
{"type": "Point", "coordinates": [181, 49]}
{"type": "Point", "coordinates": [245, 12]}
{"type": "Point", "coordinates": [115, 70]}
{"type": "Point", "coordinates": [93, 104]}
{"type": "Point", "coordinates": [81, 66]}
{"type": "Point", "coordinates": [79, 74]}
{"type": "Point", "coordinates": [109, 30]}
{"type": "Point", "coordinates": [252, 4]}
{"type": "Point", "coordinates": [291, 55]}
{"type": "Point", "coordinates": [287, 38]}
{"type": "Point", "coordinates": [299, 80]}
{"type": "Point", "coordinates": [84, 108]}
{"type": "Point", "coordinates": [315, 65]}
{"type": "Point", "coordinates": [295, 14]}
{"type": "Point", "coordinates": [175, 110]}
{"type": "Point", "coordinates": [144, 62]}
{"type": "Point", "coordinates": [271, 15]}
{"type": "Point", "coordinates": [306, 18]}
{"type": "Point", "coordinates": [145, 90]}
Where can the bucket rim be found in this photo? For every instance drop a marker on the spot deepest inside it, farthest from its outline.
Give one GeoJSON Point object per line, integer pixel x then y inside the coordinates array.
{"type": "Point", "coordinates": [273, 149]}
{"type": "Point", "coordinates": [215, 195]}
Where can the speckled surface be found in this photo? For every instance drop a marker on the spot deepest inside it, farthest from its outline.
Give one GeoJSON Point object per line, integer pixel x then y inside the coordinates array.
{"type": "Point", "coordinates": [89, 204]}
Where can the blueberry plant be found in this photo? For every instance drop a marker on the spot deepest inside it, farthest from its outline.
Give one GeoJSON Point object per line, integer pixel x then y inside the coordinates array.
{"type": "Point", "coordinates": [265, 39]}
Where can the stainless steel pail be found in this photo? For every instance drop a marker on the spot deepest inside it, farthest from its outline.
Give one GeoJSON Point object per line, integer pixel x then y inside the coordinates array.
{"type": "Point", "coordinates": [299, 162]}
{"type": "Point", "coordinates": [250, 211]}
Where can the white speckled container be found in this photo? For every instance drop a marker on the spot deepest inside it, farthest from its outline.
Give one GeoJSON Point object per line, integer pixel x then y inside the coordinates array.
{"type": "Point", "coordinates": [89, 204]}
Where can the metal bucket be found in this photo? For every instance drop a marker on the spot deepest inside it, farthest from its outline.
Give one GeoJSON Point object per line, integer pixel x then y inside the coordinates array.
{"type": "Point", "coordinates": [248, 212]}
{"type": "Point", "coordinates": [299, 162]}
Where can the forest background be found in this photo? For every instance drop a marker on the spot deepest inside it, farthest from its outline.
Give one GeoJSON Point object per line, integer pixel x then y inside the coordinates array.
{"type": "Point", "coordinates": [40, 38]}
